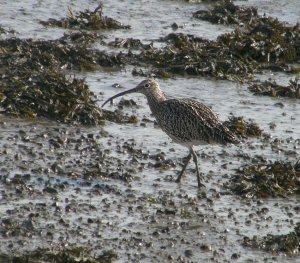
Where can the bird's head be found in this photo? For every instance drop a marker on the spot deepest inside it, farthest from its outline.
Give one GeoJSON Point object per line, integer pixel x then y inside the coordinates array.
{"type": "Point", "coordinates": [146, 87]}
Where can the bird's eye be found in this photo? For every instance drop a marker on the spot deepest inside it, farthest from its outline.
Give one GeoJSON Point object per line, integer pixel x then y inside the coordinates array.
{"type": "Point", "coordinates": [147, 85]}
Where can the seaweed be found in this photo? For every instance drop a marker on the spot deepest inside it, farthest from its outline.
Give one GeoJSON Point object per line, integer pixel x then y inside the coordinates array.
{"type": "Point", "coordinates": [153, 73]}
{"type": "Point", "coordinates": [6, 31]}
{"type": "Point", "coordinates": [272, 89]}
{"type": "Point", "coordinates": [34, 84]}
{"type": "Point", "coordinates": [228, 13]}
{"type": "Point", "coordinates": [67, 255]}
{"type": "Point", "coordinates": [36, 54]}
{"type": "Point", "coordinates": [48, 93]}
{"type": "Point", "coordinates": [80, 37]}
{"type": "Point", "coordinates": [243, 128]}
{"type": "Point", "coordinates": [262, 180]}
{"type": "Point", "coordinates": [118, 117]}
{"type": "Point", "coordinates": [259, 39]}
{"type": "Point", "coordinates": [13, 228]}
{"type": "Point", "coordinates": [266, 41]}
{"type": "Point", "coordinates": [87, 20]}
{"type": "Point", "coordinates": [129, 43]}
{"type": "Point", "coordinates": [187, 54]}
{"type": "Point", "coordinates": [288, 243]}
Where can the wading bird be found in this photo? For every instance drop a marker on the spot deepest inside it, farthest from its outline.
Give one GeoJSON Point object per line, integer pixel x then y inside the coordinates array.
{"type": "Point", "coordinates": [185, 121]}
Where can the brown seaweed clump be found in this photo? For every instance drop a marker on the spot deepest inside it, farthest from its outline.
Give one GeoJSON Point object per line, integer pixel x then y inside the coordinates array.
{"type": "Point", "coordinates": [36, 54]}
{"type": "Point", "coordinates": [80, 37]}
{"type": "Point", "coordinates": [6, 31]}
{"type": "Point", "coordinates": [243, 128]}
{"type": "Point", "coordinates": [48, 93]}
{"type": "Point", "coordinates": [289, 243]}
{"type": "Point", "coordinates": [266, 41]}
{"type": "Point", "coordinates": [70, 255]}
{"type": "Point", "coordinates": [261, 39]}
{"type": "Point", "coordinates": [153, 73]}
{"type": "Point", "coordinates": [227, 13]}
{"type": "Point", "coordinates": [118, 117]}
{"type": "Point", "coordinates": [129, 43]}
{"type": "Point", "coordinates": [88, 20]}
{"type": "Point", "coordinates": [33, 83]}
{"type": "Point", "coordinates": [271, 88]}
{"type": "Point", "coordinates": [262, 180]}
{"type": "Point", "coordinates": [187, 54]}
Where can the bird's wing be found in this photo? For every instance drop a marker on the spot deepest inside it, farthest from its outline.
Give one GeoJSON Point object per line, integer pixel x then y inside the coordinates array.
{"type": "Point", "coordinates": [192, 110]}
{"type": "Point", "coordinates": [188, 119]}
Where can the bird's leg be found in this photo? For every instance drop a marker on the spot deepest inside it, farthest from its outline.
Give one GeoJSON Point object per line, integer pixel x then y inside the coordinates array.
{"type": "Point", "coordinates": [184, 167]}
{"type": "Point", "coordinates": [199, 177]}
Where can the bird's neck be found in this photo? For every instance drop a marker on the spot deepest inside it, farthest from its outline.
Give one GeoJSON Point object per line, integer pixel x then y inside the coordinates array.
{"type": "Point", "coordinates": [154, 100]}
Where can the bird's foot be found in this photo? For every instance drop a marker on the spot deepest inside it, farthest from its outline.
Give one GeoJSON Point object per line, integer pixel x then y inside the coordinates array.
{"type": "Point", "coordinates": [202, 191]}
{"type": "Point", "coordinates": [179, 178]}
{"type": "Point", "coordinates": [200, 179]}
{"type": "Point", "coordinates": [201, 185]}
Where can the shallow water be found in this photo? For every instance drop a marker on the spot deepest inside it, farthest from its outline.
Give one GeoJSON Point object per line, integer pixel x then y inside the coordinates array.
{"type": "Point", "coordinates": [128, 220]}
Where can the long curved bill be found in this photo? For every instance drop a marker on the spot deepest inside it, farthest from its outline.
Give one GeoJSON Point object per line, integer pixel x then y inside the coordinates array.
{"type": "Point", "coordinates": [118, 95]}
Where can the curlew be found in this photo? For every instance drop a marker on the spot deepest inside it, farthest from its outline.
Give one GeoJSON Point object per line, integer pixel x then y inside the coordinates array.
{"type": "Point", "coordinates": [185, 121]}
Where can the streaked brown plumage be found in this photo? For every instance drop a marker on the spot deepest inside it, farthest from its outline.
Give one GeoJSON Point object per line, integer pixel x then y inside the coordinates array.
{"type": "Point", "coordinates": [187, 122]}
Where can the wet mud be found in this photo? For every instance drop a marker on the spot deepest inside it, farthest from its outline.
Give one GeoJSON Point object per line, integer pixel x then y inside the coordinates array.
{"type": "Point", "coordinates": [83, 184]}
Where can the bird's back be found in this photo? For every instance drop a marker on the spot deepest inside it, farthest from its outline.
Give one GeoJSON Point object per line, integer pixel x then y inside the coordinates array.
{"type": "Point", "coordinates": [190, 122]}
